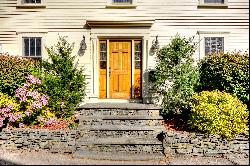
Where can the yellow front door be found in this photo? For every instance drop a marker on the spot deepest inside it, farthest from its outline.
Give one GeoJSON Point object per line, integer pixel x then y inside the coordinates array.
{"type": "Point", "coordinates": [120, 70]}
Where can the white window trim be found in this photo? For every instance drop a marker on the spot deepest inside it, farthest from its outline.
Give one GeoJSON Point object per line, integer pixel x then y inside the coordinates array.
{"type": "Point", "coordinates": [22, 35]}
{"type": "Point", "coordinates": [20, 3]}
{"type": "Point", "coordinates": [203, 4]}
{"type": "Point", "coordinates": [110, 4]}
{"type": "Point", "coordinates": [203, 34]}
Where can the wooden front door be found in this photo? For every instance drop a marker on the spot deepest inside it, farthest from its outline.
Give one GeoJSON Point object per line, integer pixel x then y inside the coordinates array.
{"type": "Point", "coordinates": [120, 70]}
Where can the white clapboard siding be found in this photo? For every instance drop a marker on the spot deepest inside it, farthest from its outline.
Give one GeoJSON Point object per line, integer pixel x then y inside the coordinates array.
{"type": "Point", "coordinates": [67, 17]}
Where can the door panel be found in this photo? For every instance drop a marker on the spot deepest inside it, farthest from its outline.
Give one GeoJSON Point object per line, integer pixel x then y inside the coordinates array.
{"type": "Point", "coordinates": [120, 70]}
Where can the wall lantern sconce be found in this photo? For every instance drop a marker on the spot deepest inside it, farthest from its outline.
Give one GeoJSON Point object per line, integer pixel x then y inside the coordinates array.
{"type": "Point", "coordinates": [83, 43]}
{"type": "Point", "coordinates": [155, 46]}
{"type": "Point", "coordinates": [83, 46]}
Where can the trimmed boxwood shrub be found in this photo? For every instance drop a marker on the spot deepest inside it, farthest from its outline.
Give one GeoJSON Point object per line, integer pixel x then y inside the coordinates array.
{"type": "Point", "coordinates": [13, 72]}
{"type": "Point", "coordinates": [219, 113]}
{"type": "Point", "coordinates": [226, 72]}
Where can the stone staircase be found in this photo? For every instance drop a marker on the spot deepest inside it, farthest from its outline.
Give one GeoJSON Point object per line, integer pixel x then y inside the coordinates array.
{"type": "Point", "coordinates": [127, 131]}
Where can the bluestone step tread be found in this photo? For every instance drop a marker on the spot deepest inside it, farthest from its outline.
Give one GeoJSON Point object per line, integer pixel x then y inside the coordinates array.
{"type": "Point", "coordinates": [121, 127]}
{"type": "Point", "coordinates": [118, 156]}
{"type": "Point", "coordinates": [119, 141]}
{"type": "Point", "coordinates": [125, 117]}
{"type": "Point", "coordinates": [128, 106]}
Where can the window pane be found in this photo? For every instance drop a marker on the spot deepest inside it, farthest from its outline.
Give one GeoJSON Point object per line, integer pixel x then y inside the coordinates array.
{"type": "Point", "coordinates": [137, 56]}
{"type": "Point", "coordinates": [137, 64]}
{"type": "Point", "coordinates": [122, 1]}
{"type": "Point", "coordinates": [103, 64]}
{"type": "Point", "coordinates": [38, 47]}
{"type": "Point", "coordinates": [214, 45]}
{"type": "Point", "coordinates": [103, 56]}
{"type": "Point", "coordinates": [103, 47]}
{"type": "Point", "coordinates": [38, 1]}
{"type": "Point", "coordinates": [32, 47]}
{"type": "Point", "coordinates": [214, 1]}
{"type": "Point", "coordinates": [26, 46]}
{"type": "Point", "coordinates": [137, 46]}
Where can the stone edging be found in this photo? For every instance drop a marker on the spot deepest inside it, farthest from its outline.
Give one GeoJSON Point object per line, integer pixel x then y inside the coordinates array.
{"type": "Point", "coordinates": [60, 141]}
{"type": "Point", "coordinates": [200, 145]}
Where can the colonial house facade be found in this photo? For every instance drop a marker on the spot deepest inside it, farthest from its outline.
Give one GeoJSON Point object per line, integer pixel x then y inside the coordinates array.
{"type": "Point", "coordinates": [115, 40]}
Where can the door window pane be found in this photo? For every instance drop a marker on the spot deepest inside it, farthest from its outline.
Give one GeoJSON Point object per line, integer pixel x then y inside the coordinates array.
{"type": "Point", "coordinates": [214, 1]}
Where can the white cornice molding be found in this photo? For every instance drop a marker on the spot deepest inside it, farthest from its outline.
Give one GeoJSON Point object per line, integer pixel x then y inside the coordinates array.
{"type": "Point", "coordinates": [119, 23]}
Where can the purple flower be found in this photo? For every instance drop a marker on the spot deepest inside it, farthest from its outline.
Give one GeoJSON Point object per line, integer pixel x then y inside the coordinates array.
{"type": "Point", "coordinates": [1, 111]}
{"type": "Point", "coordinates": [10, 106]}
{"type": "Point", "coordinates": [31, 79]}
{"type": "Point", "coordinates": [1, 123]}
{"type": "Point", "coordinates": [28, 113]}
{"type": "Point", "coordinates": [44, 100]}
{"type": "Point", "coordinates": [35, 94]}
{"type": "Point", "coordinates": [12, 118]}
{"type": "Point", "coordinates": [21, 125]}
{"type": "Point", "coordinates": [18, 116]}
{"type": "Point", "coordinates": [39, 82]}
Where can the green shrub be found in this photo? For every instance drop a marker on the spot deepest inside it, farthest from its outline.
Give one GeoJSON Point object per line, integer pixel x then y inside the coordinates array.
{"type": "Point", "coordinates": [175, 75]}
{"type": "Point", "coordinates": [13, 70]}
{"type": "Point", "coordinates": [62, 80]}
{"type": "Point", "coordinates": [226, 72]}
{"type": "Point", "coordinates": [218, 113]}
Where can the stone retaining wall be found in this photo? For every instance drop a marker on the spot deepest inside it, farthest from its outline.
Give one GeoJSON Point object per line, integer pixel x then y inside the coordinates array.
{"type": "Point", "coordinates": [174, 143]}
{"type": "Point", "coordinates": [33, 139]}
{"type": "Point", "coordinates": [199, 145]}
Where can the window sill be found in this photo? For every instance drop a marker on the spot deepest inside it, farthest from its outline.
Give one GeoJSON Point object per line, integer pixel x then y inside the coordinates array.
{"type": "Point", "coordinates": [31, 6]}
{"type": "Point", "coordinates": [220, 6]}
{"type": "Point", "coordinates": [121, 6]}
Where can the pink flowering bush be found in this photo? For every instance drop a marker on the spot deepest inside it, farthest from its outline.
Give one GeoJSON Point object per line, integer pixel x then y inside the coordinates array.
{"type": "Point", "coordinates": [9, 111]}
{"type": "Point", "coordinates": [28, 108]}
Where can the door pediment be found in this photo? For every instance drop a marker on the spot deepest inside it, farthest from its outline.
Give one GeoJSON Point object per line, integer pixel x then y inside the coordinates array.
{"type": "Point", "coordinates": [119, 23]}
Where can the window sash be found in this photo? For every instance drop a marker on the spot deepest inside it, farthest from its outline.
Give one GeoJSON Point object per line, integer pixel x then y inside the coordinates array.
{"type": "Point", "coordinates": [214, 1]}
{"type": "Point", "coordinates": [32, 1]}
{"type": "Point", "coordinates": [32, 47]}
{"type": "Point", "coordinates": [122, 2]}
{"type": "Point", "coordinates": [214, 45]}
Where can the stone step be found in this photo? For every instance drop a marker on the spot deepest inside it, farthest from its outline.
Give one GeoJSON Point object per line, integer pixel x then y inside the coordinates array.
{"type": "Point", "coordinates": [123, 148]}
{"type": "Point", "coordinates": [118, 156]}
{"type": "Point", "coordinates": [120, 117]}
{"type": "Point", "coordinates": [118, 141]}
{"type": "Point", "coordinates": [117, 112]}
{"type": "Point", "coordinates": [126, 122]}
{"type": "Point", "coordinates": [121, 127]}
{"type": "Point", "coordinates": [125, 106]}
{"type": "Point", "coordinates": [121, 133]}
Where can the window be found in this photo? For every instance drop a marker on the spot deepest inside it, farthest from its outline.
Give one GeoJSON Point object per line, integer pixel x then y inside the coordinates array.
{"type": "Point", "coordinates": [31, 3]}
{"type": "Point", "coordinates": [212, 42]}
{"type": "Point", "coordinates": [103, 55]}
{"type": "Point", "coordinates": [32, 47]}
{"type": "Point", "coordinates": [214, 45]}
{"type": "Point", "coordinates": [213, 3]}
{"type": "Point", "coordinates": [138, 52]}
{"type": "Point", "coordinates": [121, 3]}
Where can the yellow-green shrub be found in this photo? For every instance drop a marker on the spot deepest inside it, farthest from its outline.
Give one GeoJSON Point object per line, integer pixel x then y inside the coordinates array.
{"type": "Point", "coordinates": [219, 113]}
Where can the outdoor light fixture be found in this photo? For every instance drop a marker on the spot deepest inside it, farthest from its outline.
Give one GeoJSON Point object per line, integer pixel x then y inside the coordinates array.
{"type": "Point", "coordinates": [83, 44]}
{"type": "Point", "coordinates": [155, 46]}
